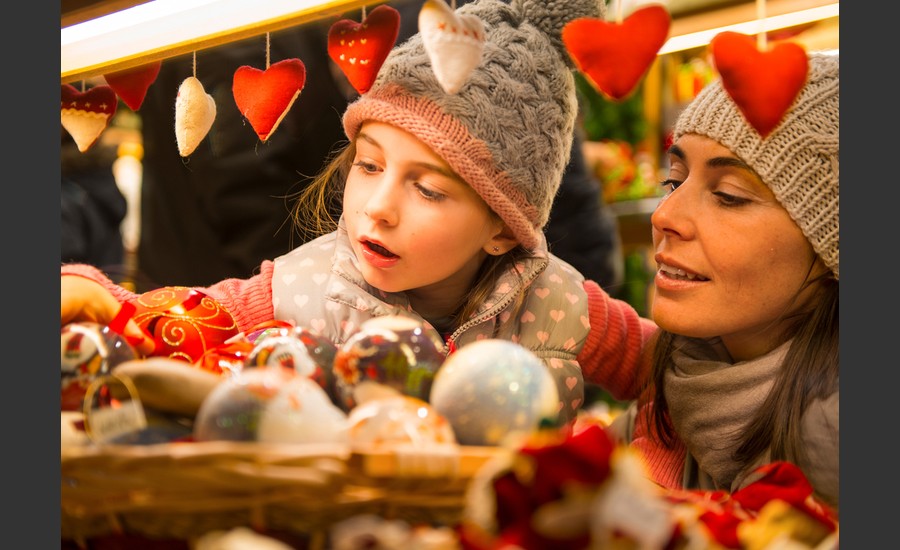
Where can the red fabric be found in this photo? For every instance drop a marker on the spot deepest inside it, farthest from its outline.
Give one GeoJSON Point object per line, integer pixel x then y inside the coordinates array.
{"type": "Point", "coordinates": [614, 57]}
{"type": "Point", "coordinates": [131, 85]}
{"type": "Point", "coordinates": [762, 84]}
{"type": "Point", "coordinates": [264, 97]}
{"type": "Point", "coordinates": [615, 354]}
{"type": "Point", "coordinates": [359, 49]}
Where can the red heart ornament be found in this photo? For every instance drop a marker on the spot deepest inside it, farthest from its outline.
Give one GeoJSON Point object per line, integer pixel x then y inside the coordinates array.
{"type": "Point", "coordinates": [762, 84]}
{"type": "Point", "coordinates": [86, 114]}
{"type": "Point", "coordinates": [614, 57]}
{"type": "Point", "coordinates": [131, 85]}
{"type": "Point", "coordinates": [264, 97]}
{"type": "Point", "coordinates": [360, 49]}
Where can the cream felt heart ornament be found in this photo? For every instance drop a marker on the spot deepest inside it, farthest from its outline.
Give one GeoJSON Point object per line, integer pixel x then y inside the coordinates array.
{"type": "Point", "coordinates": [454, 43]}
{"type": "Point", "coordinates": [360, 49]}
{"type": "Point", "coordinates": [195, 111]}
{"type": "Point", "coordinates": [763, 84]}
{"type": "Point", "coordinates": [86, 114]}
{"type": "Point", "coordinates": [131, 85]}
{"type": "Point", "coordinates": [264, 97]}
{"type": "Point", "coordinates": [614, 57]}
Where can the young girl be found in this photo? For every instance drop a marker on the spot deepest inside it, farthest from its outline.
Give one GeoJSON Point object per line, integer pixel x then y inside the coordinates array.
{"type": "Point", "coordinates": [745, 366]}
{"type": "Point", "coordinates": [444, 197]}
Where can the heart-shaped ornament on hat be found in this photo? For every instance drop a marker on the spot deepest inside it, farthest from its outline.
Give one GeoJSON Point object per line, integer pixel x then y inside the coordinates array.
{"type": "Point", "coordinates": [763, 84]}
{"type": "Point", "coordinates": [264, 97]}
{"type": "Point", "coordinates": [131, 85]}
{"type": "Point", "coordinates": [86, 114]}
{"type": "Point", "coordinates": [359, 49]}
{"type": "Point", "coordinates": [454, 43]}
{"type": "Point", "coordinates": [614, 57]}
{"type": "Point", "coordinates": [195, 111]}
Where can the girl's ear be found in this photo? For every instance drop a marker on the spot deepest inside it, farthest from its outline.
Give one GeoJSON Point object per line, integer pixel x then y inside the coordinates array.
{"type": "Point", "coordinates": [502, 242]}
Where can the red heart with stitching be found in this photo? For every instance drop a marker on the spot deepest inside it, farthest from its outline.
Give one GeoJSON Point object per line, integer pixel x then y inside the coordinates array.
{"type": "Point", "coordinates": [99, 100]}
{"type": "Point", "coordinates": [85, 115]}
{"type": "Point", "coordinates": [614, 57]}
{"type": "Point", "coordinates": [762, 84]}
{"type": "Point", "coordinates": [264, 97]}
{"type": "Point", "coordinates": [131, 85]}
{"type": "Point", "coordinates": [360, 49]}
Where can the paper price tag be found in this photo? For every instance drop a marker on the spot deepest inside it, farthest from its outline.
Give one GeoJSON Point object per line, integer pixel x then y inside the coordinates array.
{"type": "Point", "coordinates": [112, 409]}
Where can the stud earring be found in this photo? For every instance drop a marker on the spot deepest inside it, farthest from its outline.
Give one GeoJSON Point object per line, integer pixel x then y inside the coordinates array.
{"type": "Point", "coordinates": [496, 249]}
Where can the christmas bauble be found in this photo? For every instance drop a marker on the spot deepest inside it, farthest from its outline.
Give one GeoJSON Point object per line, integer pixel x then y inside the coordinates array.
{"type": "Point", "coordinates": [232, 410]}
{"type": "Point", "coordinates": [297, 349]}
{"type": "Point", "coordinates": [87, 351]}
{"type": "Point", "coordinates": [392, 351]}
{"type": "Point", "coordinates": [493, 389]}
{"type": "Point", "coordinates": [301, 412]}
{"type": "Point", "coordinates": [398, 420]}
{"type": "Point", "coordinates": [184, 322]}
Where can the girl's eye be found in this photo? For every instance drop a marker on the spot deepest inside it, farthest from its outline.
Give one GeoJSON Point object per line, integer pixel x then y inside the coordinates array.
{"type": "Point", "coordinates": [366, 167]}
{"type": "Point", "coordinates": [429, 194]}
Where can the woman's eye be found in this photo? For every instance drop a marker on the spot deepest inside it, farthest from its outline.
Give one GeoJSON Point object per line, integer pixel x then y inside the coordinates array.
{"type": "Point", "coordinates": [670, 185]}
{"type": "Point", "coordinates": [730, 200]}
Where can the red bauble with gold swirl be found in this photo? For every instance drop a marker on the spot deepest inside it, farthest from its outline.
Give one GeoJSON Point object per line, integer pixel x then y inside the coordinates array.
{"type": "Point", "coordinates": [184, 322]}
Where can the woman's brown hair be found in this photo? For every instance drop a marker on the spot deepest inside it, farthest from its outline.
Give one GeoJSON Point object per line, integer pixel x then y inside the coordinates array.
{"type": "Point", "coordinates": [810, 370]}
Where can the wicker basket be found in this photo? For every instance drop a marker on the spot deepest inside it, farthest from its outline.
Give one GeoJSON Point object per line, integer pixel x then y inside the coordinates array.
{"type": "Point", "coordinates": [184, 490]}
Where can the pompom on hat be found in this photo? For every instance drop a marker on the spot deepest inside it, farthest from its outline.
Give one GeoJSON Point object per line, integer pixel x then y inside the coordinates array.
{"type": "Point", "coordinates": [798, 160]}
{"type": "Point", "coordinates": [508, 129]}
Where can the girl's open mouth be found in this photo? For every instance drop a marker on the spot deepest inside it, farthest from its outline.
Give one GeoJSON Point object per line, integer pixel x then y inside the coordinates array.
{"type": "Point", "coordinates": [378, 249]}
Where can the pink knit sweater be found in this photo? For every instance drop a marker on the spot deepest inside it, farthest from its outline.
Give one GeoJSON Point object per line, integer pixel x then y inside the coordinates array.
{"type": "Point", "coordinates": [615, 354]}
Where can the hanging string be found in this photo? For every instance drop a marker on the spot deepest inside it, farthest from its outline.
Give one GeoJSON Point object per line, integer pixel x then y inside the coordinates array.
{"type": "Point", "coordinates": [268, 49]}
{"type": "Point", "coordinates": [761, 17]}
{"type": "Point", "coordinates": [619, 12]}
{"type": "Point", "coordinates": [453, 5]}
{"type": "Point", "coordinates": [194, 66]}
{"type": "Point", "coordinates": [82, 86]}
{"type": "Point", "coordinates": [363, 14]}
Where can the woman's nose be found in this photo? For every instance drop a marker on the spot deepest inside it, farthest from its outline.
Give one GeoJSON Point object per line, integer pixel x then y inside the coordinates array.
{"type": "Point", "coordinates": [671, 216]}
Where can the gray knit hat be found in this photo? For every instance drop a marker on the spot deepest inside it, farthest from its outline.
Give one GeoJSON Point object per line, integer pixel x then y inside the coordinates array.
{"type": "Point", "coordinates": [507, 131]}
{"type": "Point", "coordinates": [798, 160]}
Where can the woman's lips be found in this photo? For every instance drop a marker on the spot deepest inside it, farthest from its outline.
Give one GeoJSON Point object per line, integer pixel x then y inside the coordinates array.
{"type": "Point", "coordinates": [669, 277]}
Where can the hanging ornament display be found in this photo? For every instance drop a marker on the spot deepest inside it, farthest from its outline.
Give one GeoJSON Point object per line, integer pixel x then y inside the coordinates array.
{"type": "Point", "coordinates": [454, 43]}
{"type": "Point", "coordinates": [359, 49]}
{"type": "Point", "coordinates": [195, 111]}
{"type": "Point", "coordinates": [85, 114]}
{"type": "Point", "coordinates": [264, 97]}
{"type": "Point", "coordinates": [131, 85]}
{"type": "Point", "coordinates": [763, 83]}
{"type": "Point", "coordinates": [614, 56]}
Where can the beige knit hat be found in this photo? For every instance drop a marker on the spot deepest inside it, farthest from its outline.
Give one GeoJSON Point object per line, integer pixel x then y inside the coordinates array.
{"type": "Point", "coordinates": [798, 160]}
{"type": "Point", "coordinates": [507, 131]}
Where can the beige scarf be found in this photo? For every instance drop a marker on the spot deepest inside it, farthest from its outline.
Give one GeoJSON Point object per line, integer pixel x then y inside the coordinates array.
{"type": "Point", "coordinates": [711, 400]}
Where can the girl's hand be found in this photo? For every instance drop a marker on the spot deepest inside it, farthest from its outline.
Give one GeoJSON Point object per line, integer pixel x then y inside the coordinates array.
{"type": "Point", "coordinates": [81, 299]}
